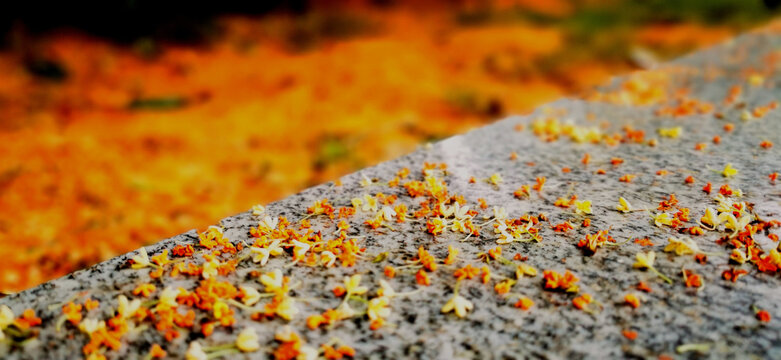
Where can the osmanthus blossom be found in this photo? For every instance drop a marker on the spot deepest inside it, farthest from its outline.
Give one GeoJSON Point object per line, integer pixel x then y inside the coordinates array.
{"type": "Point", "coordinates": [273, 281]}
{"type": "Point", "coordinates": [126, 308]}
{"type": "Point", "coordinates": [378, 308]}
{"type": "Point", "coordinates": [459, 304]}
{"type": "Point", "coordinates": [583, 207]}
{"type": "Point", "coordinates": [353, 286]}
{"type": "Point", "coordinates": [210, 268]}
{"type": "Point", "coordinates": [300, 249]}
{"type": "Point", "coordinates": [729, 171]}
{"type": "Point", "coordinates": [250, 296]}
{"type": "Point", "coordinates": [168, 297]}
{"type": "Point", "coordinates": [141, 260]}
{"type": "Point", "coordinates": [663, 219]}
{"type": "Point", "coordinates": [89, 326]}
{"type": "Point", "coordinates": [327, 258]}
{"type": "Point", "coordinates": [262, 254]}
{"type": "Point", "coordinates": [268, 224]}
{"type": "Point", "coordinates": [6, 319]}
{"type": "Point", "coordinates": [258, 210]}
{"type": "Point", "coordinates": [646, 261]}
{"type": "Point", "coordinates": [195, 352]}
{"type": "Point", "coordinates": [623, 205]}
{"type": "Point", "coordinates": [682, 246]}
{"type": "Point", "coordinates": [387, 213]}
{"type": "Point", "coordinates": [247, 340]}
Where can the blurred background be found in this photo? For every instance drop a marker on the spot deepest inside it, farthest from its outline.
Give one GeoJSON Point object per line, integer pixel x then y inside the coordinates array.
{"type": "Point", "coordinates": [125, 122]}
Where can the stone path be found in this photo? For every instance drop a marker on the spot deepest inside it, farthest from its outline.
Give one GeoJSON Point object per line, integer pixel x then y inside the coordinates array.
{"type": "Point", "coordinates": [644, 138]}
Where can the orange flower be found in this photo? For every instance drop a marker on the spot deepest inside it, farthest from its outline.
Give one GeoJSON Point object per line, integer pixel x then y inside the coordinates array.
{"type": "Point", "coordinates": [503, 287]}
{"type": "Point", "coordinates": [485, 276]}
{"type": "Point", "coordinates": [144, 290]}
{"type": "Point", "coordinates": [90, 304]}
{"type": "Point", "coordinates": [72, 313]}
{"type": "Point", "coordinates": [692, 279]}
{"type": "Point", "coordinates": [495, 252]}
{"type": "Point", "coordinates": [689, 179]}
{"type": "Point", "coordinates": [556, 281]}
{"type": "Point", "coordinates": [540, 183]}
{"type": "Point", "coordinates": [582, 301]}
{"type": "Point", "coordinates": [390, 271]}
{"type": "Point", "coordinates": [644, 242]}
{"type": "Point", "coordinates": [766, 144]}
{"type": "Point", "coordinates": [632, 300]}
{"type": "Point", "coordinates": [28, 319]}
{"type": "Point", "coordinates": [627, 178]}
{"type": "Point", "coordinates": [466, 272]}
{"type": "Point", "coordinates": [452, 252]}
{"type": "Point", "coordinates": [429, 262]}
{"type": "Point", "coordinates": [422, 278]}
{"type": "Point", "coordinates": [629, 334]}
{"type": "Point", "coordinates": [586, 159]}
{"type": "Point", "coordinates": [157, 352]}
{"type": "Point", "coordinates": [339, 291]}
{"type": "Point", "coordinates": [733, 274]}
{"type": "Point", "coordinates": [642, 286]}
{"type": "Point", "coordinates": [524, 303]}
{"type": "Point", "coordinates": [763, 316]}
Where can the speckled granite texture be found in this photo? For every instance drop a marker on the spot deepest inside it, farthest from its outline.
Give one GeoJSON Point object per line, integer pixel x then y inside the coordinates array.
{"type": "Point", "coordinates": [672, 315]}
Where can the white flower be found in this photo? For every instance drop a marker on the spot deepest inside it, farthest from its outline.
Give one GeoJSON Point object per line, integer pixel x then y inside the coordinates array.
{"type": "Point", "coordinates": [195, 352]}
{"type": "Point", "coordinates": [387, 212]}
{"type": "Point", "coordinates": [269, 223]}
{"type": "Point", "coordinates": [327, 258]}
{"type": "Point", "coordinates": [624, 205]}
{"type": "Point", "coordinates": [352, 285]}
{"type": "Point", "coordinates": [6, 316]}
{"type": "Point", "coordinates": [127, 308]}
{"type": "Point", "coordinates": [370, 203]}
{"type": "Point", "coordinates": [681, 246]}
{"type": "Point", "coordinates": [460, 213]}
{"type": "Point", "coordinates": [272, 280]}
{"type": "Point", "coordinates": [345, 311]}
{"type": "Point", "coordinates": [378, 308]}
{"type": "Point", "coordinates": [365, 181]}
{"type": "Point", "coordinates": [168, 297]}
{"type": "Point", "coordinates": [251, 296]}
{"type": "Point", "coordinates": [89, 326]}
{"type": "Point", "coordinates": [736, 224]}
{"type": "Point", "coordinates": [645, 260]}
{"type": "Point", "coordinates": [357, 203]}
{"type": "Point", "coordinates": [210, 269]}
{"type": "Point", "coordinates": [583, 207]}
{"type": "Point", "coordinates": [300, 249]}
{"type": "Point", "coordinates": [307, 353]}
{"type": "Point", "coordinates": [247, 341]}
{"type": "Point", "coordinates": [286, 309]}
{"type": "Point", "coordinates": [262, 254]}
{"type": "Point", "coordinates": [386, 289]}
{"type": "Point", "coordinates": [710, 218]}
{"type": "Point", "coordinates": [500, 213]}
{"type": "Point", "coordinates": [141, 260]}
{"type": "Point", "coordinates": [663, 219]}
{"type": "Point", "coordinates": [258, 210]}
{"type": "Point", "coordinates": [458, 303]}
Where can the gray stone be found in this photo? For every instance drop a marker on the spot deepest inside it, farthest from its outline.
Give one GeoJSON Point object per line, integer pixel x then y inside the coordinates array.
{"type": "Point", "coordinates": [720, 314]}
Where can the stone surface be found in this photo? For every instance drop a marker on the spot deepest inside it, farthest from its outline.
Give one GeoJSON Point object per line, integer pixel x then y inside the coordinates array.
{"type": "Point", "coordinates": [672, 315]}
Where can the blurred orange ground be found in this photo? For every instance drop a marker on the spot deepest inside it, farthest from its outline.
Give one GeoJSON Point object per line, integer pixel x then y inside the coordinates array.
{"type": "Point", "coordinates": [83, 177]}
